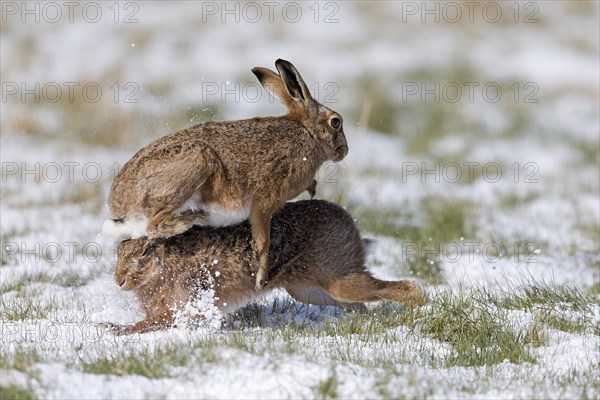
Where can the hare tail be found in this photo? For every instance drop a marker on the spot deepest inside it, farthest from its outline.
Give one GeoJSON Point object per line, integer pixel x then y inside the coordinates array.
{"type": "Point", "coordinates": [120, 230]}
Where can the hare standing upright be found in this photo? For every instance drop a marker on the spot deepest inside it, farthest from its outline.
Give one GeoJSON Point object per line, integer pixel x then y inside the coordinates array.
{"type": "Point", "coordinates": [316, 254]}
{"type": "Point", "coordinates": [221, 173]}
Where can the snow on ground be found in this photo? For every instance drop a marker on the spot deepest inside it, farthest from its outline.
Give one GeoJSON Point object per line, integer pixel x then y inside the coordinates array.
{"type": "Point", "coordinates": [59, 159]}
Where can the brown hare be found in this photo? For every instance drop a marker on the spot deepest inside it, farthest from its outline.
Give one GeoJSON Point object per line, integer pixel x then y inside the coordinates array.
{"type": "Point", "coordinates": [221, 173]}
{"type": "Point", "coordinates": [316, 255]}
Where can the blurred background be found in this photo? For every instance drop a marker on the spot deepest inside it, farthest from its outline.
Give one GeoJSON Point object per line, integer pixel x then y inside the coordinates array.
{"type": "Point", "coordinates": [465, 120]}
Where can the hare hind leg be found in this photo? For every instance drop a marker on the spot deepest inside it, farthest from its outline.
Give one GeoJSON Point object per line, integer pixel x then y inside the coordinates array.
{"type": "Point", "coordinates": [172, 195]}
{"type": "Point", "coordinates": [363, 287]}
{"type": "Point", "coordinates": [156, 323]}
{"type": "Point", "coordinates": [260, 221]}
{"type": "Point", "coordinates": [167, 223]}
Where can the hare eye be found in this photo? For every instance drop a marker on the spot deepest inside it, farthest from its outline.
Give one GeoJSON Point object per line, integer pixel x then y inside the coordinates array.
{"type": "Point", "coordinates": [335, 122]}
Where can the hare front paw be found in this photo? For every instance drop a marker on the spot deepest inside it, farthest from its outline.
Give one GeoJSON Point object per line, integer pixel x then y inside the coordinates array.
{"type": "Point", "coordinates": [166, 224]}
{"type": "Point", "coordinates": [116, 329]}
{"type": "Point", "coordinates": [312, 189]}
{"type": "Point", "coordinates": [415, 295]}
{"type": "Point", "coordinates": [261, 279]}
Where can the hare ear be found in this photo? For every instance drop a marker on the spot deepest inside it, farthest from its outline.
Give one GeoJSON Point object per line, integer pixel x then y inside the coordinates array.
{"type": "Point", "coordinates": [293, 81]}
{"type": "Point", "coordinates": [272, 82]}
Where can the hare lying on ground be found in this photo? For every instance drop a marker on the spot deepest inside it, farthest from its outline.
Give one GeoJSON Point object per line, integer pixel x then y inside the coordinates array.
{"type": "Point", "coordinates": [221, 173]}
{"type": "Point", "coordinates": [316, 254]}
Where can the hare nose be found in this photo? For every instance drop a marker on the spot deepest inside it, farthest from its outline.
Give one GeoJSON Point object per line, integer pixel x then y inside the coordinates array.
{"type": "Point", "coordinates": [341, 152]}
{"type": "Point", "coordinates": [122, 282]}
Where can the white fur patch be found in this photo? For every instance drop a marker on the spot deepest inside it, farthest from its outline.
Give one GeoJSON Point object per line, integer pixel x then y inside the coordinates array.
{"type": "Point", "coordinates": [128, 229]}
{"type": "Point", "coordinates": [217, 215]}
{"type": "Point", "coordinates": [193, 203]}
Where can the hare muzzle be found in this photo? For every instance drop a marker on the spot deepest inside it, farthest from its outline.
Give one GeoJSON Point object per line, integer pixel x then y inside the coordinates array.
{"type": "Point", "coordinates": [124, 283]}
{"type": "Point", "coordinates": [341, 152]}
{"type": "Point", "coordinates": [341, 146]}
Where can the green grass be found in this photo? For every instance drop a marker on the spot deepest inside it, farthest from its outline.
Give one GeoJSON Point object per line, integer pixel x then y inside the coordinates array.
{"type": "Point", "coordinates": [592, 231]}
{"type": "Point", "coordinates": [11, 255]}
{"type": "Point", "coordinates": [200, 113]}
{"type": "Point", "coordinates": [431, 122]}
{"type": "Point", "coordinates": [20, 284]}
{"type": "Point", "coordinates": [152, 364]}
{"type": "Point", "coordinates": [590, 152]}
{"type": "Point", "coordinates": [12, 287]}
{"type": "Point", "coordinates": [383, 382]}
{"type": "Point", "coordinates": [542, 295]}
{"type": "Point", "coordinates": [475, 324]}
{"type": "Point", "coordinates": [238, 340]}
{"type": "Point", "coordinates": [87, 121]}
{"type": "Point", "coordinates": [513, 200]}
{"type": "Point", "coordinates": [437, 222]}
{"type": "Point", "coordinates": [73, 280]}
{"type": "Point", "coordinates": [522, 250]}
{"type": "Point", "coordinates": [376, 322]}
{"type": "Point", "coordinates": [127, 122]}
{"type": "Point", "coordinates": [571, 325]}
{"type": "Point", "coordinates": [86, 194]}
{"type": "Point", "coordinates": [26, 305]}
{"type": "Point", "coordinates": [550, 304]}
{"type": "Point", "coordinates": [160, 362]}
{"type": "Point", "coordinates": [20, 360]}
{"type": "Point", "coordinates": [423, 121]}
{"type": "Point", "coordinates": [326, 389]}
{"type": "Point", "coordinates": [594, 289]}
{"type": "Point", "coordinates": [12, 392]}
{"type": "Point", "coordinates": [478, 333]}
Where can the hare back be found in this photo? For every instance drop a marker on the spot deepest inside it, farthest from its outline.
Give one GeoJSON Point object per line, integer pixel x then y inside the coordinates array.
{"type": "Point", "coordinates": [262, 157]}
{"type": "Point", "coordinates": [323, 240]}
{"type": "Point", "coordinates": [242, 146]}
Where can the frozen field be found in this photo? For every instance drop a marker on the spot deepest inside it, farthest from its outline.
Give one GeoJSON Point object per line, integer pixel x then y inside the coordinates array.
{"type": "Point", "coordinates": [474, 135]}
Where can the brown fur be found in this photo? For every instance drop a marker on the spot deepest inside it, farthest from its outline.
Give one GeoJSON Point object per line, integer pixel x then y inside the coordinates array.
{"type": "Point", "coordinates": [316, 254]}
{"type": "Point", "coordinates": [260, 161]}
